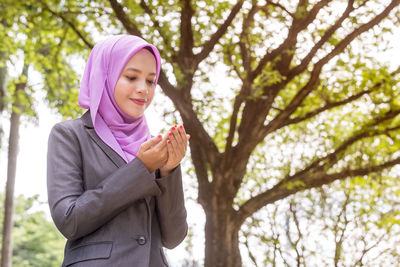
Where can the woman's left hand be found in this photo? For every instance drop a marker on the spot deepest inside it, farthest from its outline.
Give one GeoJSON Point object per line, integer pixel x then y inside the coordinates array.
{"type": "Point", "coordinates": [177, 146]}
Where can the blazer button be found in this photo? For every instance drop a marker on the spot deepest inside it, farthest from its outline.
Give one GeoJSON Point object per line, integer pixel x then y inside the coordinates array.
{"type": "Point", "coordinates": [141, 240]}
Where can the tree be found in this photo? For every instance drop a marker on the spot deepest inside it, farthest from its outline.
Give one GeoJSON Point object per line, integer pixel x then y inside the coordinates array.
{"type": "Point", "coordinates": [20, 35]}
{"type": "Point", "coordinates": [294, 66]}
{"type": "Point", "coordinates": [349, 223]}
{"type": "Point", "coordinates": [6, 255]}
{"type": "Point", "coordinates": [37, 242]}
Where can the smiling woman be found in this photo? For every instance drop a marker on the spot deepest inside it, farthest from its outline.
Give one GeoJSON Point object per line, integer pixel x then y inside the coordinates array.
{"type": "Point", "coordinates": [114, 191]}
{"type": "Point", "coordinates": [135, 87]}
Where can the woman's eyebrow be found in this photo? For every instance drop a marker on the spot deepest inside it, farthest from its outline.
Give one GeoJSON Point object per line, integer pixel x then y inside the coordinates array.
{"type": "Point", "coordinates": [136, 70]}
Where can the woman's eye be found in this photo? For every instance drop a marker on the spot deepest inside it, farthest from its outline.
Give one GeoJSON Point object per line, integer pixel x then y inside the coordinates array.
{"type": "Point", "coordinates": [150, 82]}
{"type": "Point", "coordinates": [131, 78]}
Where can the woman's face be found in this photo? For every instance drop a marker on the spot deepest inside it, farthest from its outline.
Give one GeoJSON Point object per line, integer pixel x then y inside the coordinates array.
{"type": "Point", "coordinates": [135, 87]}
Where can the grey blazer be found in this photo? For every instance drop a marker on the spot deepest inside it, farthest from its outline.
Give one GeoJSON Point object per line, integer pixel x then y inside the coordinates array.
{"type": "Point", "coordinates": [112, 213]}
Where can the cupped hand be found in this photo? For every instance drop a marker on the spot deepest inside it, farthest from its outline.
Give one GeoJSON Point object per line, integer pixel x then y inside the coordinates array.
{"type": "Point", "coordinates": [176, 147]}
{"type": "Point", "coordinates": [154, 153]}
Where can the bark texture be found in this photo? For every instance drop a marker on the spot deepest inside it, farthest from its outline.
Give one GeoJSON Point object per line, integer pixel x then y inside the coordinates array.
{"type": "Point", "coordinates": [6, 252]}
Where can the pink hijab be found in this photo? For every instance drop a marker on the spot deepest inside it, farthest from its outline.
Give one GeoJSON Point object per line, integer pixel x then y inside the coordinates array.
{"type": "Point", "coordinates": [121, 132]}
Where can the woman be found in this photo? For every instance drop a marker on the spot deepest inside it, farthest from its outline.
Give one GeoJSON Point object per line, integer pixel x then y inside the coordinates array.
{"type": "Point", "coordinates": [114, 191]}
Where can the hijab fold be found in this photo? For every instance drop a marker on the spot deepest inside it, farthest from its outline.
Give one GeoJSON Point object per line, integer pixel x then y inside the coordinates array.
{"type": "Point", "coordinates": [124, 134]}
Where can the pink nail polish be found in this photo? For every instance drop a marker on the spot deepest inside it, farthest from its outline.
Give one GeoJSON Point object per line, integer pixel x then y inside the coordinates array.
{"type": "Point", "coordinates": [168, 142]}
{"type": "Point", "coordinates": [159, 136]}
{"type": "Point", "coordinates": [181, 127]}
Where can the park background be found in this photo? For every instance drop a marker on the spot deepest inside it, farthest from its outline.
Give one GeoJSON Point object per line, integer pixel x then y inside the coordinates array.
{"type": "Point", "coordinates": [293, 108]}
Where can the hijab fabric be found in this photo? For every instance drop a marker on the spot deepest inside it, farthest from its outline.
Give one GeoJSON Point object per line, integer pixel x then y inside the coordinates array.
{"type": "Point", "coordinates": [124, 134]}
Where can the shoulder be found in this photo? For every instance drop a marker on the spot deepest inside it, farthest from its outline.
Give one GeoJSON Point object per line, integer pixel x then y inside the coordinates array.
{"type": "Point", "coordinates": [68, 125]}
{"type": "Point", "coordinates": [68, 129]}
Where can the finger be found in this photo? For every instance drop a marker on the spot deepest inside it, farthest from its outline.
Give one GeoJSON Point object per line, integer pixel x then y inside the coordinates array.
{"type": "Point", "coordinates": [182, 132]}
{"type": "Point", "coordinates": [172, 147]}
{"type": "Point", "coordinates": [177, 142]}
{"type": "Point", "coordinates": [171, 153]}
{"type": "Point", "coordinates": [160, 149]}
{"type": "Point", "coordinates": [181, 141]}
{"type": "Point", "coordinates": [151, 142]}
{"type": "Point", "coordinates": [183, 137]}
{"type": "Point", "coordinates": [163, 142]}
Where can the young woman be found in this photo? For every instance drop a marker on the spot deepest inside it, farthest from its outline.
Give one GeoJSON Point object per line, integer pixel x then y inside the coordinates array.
{"type": "Point", "coordinates": [114, 191]}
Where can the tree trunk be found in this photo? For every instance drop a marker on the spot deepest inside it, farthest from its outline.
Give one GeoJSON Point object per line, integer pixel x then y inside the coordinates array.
{"type": "Point", "coordinates": [222, 243]}
{"type": "Point", "coordinates": [6, 252]}
{"type": "Point", "coordinates": [3, 75]}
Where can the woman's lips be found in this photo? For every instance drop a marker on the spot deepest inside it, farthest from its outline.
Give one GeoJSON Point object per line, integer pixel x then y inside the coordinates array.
{"type": "Point", "coordinates": [138, 101]}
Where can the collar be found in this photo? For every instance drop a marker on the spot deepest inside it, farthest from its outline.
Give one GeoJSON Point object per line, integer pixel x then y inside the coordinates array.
{"type": "Point", "coordinates": [114, 156]}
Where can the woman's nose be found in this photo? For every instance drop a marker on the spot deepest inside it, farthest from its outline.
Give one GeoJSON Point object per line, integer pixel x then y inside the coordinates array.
{"type": "Point", "coordinates": [141, 87]}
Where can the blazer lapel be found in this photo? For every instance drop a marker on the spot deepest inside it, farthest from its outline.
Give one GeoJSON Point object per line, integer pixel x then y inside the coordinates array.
{"type": "Point", "coordinates": [114, 157]}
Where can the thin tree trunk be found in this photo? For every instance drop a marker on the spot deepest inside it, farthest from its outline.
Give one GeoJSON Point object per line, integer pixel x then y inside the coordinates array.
{"type": "Point", "coordinates": [6, 252]}
{"type": "Point", "coordinates": [17, 109]}
{"type": "Point", "coordinates": [3, 75]}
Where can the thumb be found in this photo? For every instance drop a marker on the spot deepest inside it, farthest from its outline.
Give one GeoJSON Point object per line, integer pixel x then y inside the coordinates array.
{"type": "Point", "coordinates": [151, 142]}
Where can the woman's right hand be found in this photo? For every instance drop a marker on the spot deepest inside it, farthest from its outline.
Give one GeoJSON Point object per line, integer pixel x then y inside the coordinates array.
{"type": "Point", "coordinates": [153, 153]}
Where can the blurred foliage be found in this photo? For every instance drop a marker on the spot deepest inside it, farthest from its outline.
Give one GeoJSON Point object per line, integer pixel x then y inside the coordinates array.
{"type": "Point", "coordinates": [36, 241]}
{"type": "Point", "coordinates": [37, 38]}
{"type": "Point", "coordinates": [349, 223]}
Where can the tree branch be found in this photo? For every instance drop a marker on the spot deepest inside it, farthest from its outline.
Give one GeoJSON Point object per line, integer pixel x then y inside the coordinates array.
{"type": "Point", "coordinates": [324, 108]}
{"type": "Point", "coordinates": [314, 180]}
{"type": "Point", "coordinates": [186, 33]}
{"type": "Point", "coordinates": [209, 45]}
{"type": "Point", "coordinates": [166, 39]}
{"type": "Point", "coordinates": [363, 28]}
{"type": "Point", "coordinates": [311, 85]}
{"type": "Point", "coordinates": [271, 3]}
{"type": "Point", "coordinates": [297, 26]}
{"type": "Point", "coordinates": [366, 250]}
{"type": "Point", "coordinates": [246, 243]}
{"type": "Point", "coordinates": [338, 243]}
{"type": "Point", "coordinates": [166, 86]}
{"type": "Point", "coordinates": [199, 159]}
{"type": "Point", "coordinates": [283, 116]}
{"type": "Point", "coordinates": [246, 56]}
{"type": "Point", "coordinates": [307, 59]}
{"type": "Point", "coordinates": [336, 104]}
{"type": "Point", "coordinates": [299, 255]}
{"type": "Point", "coordinates": [239, 99]}
{"type": "Point", "coordinates": [123, 18]}
{"type": "Point", "coordinates": [234, 65]}
{"type": "Point", "coordinates": [69, 23]}
{"type": "Point", "coordinates": [334, 156]}
{"type": "Point", "coordinates": [191, 121]}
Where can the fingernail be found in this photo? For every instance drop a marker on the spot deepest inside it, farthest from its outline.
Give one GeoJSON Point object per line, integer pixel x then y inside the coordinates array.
{"type": "Point", "coordinates": [159, 136]}
{"type": "Point", "coordinates": [168, 142]}
{"type": "Point", "coordinates": [169, 134]}
{"type": "Point", "coordinates": [181, 127]}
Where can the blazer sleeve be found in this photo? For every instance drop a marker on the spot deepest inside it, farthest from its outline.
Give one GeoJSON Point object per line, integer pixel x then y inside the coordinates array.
{"type": "Point", "coordinates": [171, 209]}
{"type": "Point", "coordinates": [76, 211]}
